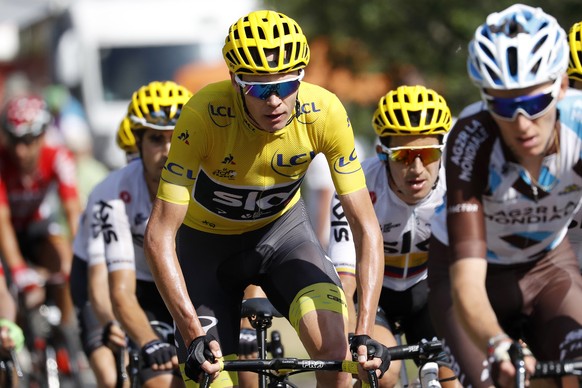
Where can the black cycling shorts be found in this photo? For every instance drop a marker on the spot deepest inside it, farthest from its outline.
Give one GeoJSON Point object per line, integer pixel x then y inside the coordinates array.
{"type": "Point", "coordinates": [408, 308]}
{"type": "Point", "coordinates": [283, 258]}
{"type": "Point", "coordinates": [91, 331]}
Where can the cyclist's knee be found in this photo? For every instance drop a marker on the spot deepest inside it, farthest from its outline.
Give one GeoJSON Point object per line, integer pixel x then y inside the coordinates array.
{"type": "Point", "coordinates": [163, 380]}
{"type": "Point", "coordinates": [103, 363]}
{"type": "Point", "coordinates": [323, 335]}
{"type": "Point", "coordinates": [391, 376]}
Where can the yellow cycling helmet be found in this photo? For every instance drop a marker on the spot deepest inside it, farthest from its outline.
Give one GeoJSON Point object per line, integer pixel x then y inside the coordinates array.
{"type": "Point", "coordinates": [412, 110]}
{"type": "Point", "coordinates": [575, 43]}
{"type": "Point", "coordinates": [157, 105]}
{"type": "Point", "coordinates": [253, 37]}
{"type": "Point", "coordinates": [125, 138]}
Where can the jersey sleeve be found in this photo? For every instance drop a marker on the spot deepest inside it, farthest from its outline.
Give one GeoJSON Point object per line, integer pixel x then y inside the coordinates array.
{"type": "Point", "coordinates": [183, 162]}
{"type": "Point", "coordinates": [111, 235]}
{"type": "Point", "coordinates": [89, 238]}
{"type": "Point", "coordinates": [340, 150]}
{"type": "Point", "coordinates": [341, 248]}
{"type": "Point", "coordinates": [466, 171]}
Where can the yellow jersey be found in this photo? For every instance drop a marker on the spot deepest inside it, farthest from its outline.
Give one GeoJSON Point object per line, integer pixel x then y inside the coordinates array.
{"type": "Point", "coordinates": [237, 178]}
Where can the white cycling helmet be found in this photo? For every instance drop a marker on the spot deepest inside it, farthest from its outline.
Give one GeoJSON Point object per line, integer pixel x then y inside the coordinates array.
{"type": "Point", "coordinates": [517, 48]}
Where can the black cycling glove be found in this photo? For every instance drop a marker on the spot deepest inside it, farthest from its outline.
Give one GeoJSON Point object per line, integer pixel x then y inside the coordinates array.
{"type": "Point", "coordinates": [247, 342]}
{"type": "Point", "coordinates": [157, 352]}
{"type": "Point", "coordinates": [375, 349]}
{"type": "Point", "coordinates": [106, 334]}
{"type": "Point", "coordinates": [198, 352]}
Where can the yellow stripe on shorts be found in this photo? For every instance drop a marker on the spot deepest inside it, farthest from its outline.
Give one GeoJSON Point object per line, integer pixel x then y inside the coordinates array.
{"type": "Point", "coordinates": [319, 296]}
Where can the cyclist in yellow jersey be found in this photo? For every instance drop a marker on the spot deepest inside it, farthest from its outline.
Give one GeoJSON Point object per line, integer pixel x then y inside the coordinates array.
{"type": "Point", "coordinates": [575, 63]}
{"type": "Point", "coordinates": [229, 214]}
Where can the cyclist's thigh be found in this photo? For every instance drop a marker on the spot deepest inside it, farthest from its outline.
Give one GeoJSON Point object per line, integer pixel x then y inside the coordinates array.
{"type": "Point", "coordinates": [556, 321]}
{"type": "Point", "coordinates": [418, 325]}
{"type": "Point", "coordinates": [467, 361]}
{"type": "Point", "coordinates": [296, 260]}
{"type": "Point", "coordinates": [298, 265]}
{"type": "Point", "coordinates": [79, 283]}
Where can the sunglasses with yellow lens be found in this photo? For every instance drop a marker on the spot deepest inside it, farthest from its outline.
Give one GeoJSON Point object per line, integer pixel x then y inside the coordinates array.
{"type": "Point", "coordinates": [407, 155]}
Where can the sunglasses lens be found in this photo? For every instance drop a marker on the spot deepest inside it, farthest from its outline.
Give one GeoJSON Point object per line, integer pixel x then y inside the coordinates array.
{"type": "Point", "coordinates": [407, 156]}
{"type": "Point", "coordinates": [531, 106]}
{"type": "Point", "coordinates": [26, 139]}
{"type": "Point", "coordinates": [281, 89]}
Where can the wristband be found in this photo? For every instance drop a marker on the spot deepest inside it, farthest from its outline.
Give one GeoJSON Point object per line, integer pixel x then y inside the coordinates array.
{"type": "Point", "coordinates": [494, 341]}
{"type": "Point", "coordinates": [14, 332]}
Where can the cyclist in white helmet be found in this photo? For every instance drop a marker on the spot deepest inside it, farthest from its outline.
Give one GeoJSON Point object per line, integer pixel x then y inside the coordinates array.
{"type": "Point", "coordinates": [500, 267]}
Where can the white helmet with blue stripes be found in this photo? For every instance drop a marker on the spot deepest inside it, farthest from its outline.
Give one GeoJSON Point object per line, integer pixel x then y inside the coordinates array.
{"type": "Point", "coordinates": [516, 48]}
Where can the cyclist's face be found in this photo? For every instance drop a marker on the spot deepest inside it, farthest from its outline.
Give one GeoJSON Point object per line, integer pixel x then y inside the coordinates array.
{"type": "Point", "coordinates": [528, 138]}
{"type": "Point", "coordinates": [26, 151]}
{"type": "Point", "coordinates": [413, 180]}
{"type": "Point", "coordinates": [270, 114]}
{"type": "Point", "coordinates": [155, 145]}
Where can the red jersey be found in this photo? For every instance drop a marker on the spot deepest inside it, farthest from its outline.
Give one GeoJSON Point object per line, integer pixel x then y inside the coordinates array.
{"type": "Point", "coordinates": [24, 196]}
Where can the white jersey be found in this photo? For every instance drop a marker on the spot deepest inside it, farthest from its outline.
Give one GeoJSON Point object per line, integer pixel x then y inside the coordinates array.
{"type": "Point", "coordinates": [406, 229]}
{"type": "Point", "coordinates": [114, 222]}
{"type": "Point", "coordinates": [522, 221]}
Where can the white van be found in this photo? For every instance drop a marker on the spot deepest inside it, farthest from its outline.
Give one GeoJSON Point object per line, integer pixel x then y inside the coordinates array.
{"type": "Point", "coordinates": [106, 49]}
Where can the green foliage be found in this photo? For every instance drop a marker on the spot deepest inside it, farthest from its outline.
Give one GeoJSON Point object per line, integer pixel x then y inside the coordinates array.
{"type": "Point", "coordinates": [392, 36]}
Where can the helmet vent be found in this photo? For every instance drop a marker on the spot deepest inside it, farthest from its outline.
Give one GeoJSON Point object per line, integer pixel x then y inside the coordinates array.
{"type": "Point", "coordinates": [512, 60]}
{"type": "Point", "coordinates": [539, 44]}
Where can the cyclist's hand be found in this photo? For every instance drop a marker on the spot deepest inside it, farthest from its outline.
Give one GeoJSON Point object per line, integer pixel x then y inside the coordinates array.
{"type": "Point", "coordinates": [247, 344]}
{"type": "Point", "coordinates": [202, 354]}
{"type": "Point", "coordinates": [159, 355]}
{"type": "Point", "coordinates": [113, 336]}
{"type": "Point", "coordinates": [25, 278]}
{"type": "Point", "coordinates": [11, 336]}
{"type": "Point", "coordinates": [503, 371]}
{"type": "Point", "coordinates": [370, 353]}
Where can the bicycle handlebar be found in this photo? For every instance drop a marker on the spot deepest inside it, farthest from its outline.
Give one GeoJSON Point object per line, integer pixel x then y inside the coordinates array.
{"type": "Point", "coordinates": [543, 369]}
{"type": "Point", "coordinates": [289, 365]}
{"type": "Point", "coordinates": [422, 350]}
{"type": "Point", "coordinates": [558, 368]}
{"type": "Point", "coordinates": [414, 351]}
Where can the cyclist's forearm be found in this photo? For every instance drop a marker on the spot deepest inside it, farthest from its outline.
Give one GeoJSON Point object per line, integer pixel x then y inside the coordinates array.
{"type": "Point", "coordinates": [160, 250]}
{"type": "Point", "coordinates": [9, 249]}
{"type": "Point", "coordinates": [132, 318]}
{"type": "Point", "coordinates": [369, 256]}
{"type": "Point", "coordinates": [369, 274]}
{"type": "Point", "coordinates": [8, 306]}
{"type": "Point", "coordinates": [97, 283]}
{"type": "Point", "coordinates": [167, 273]}
{"type": "Point", "coordinates": [471, 303]}
{"type": "Point", "coordinates": [349, 286]}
